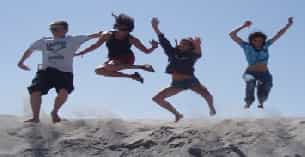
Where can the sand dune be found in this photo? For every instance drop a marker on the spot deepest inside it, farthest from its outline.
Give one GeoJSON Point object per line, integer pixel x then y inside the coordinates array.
{"type": "Point", "coordinates": [269, 137]}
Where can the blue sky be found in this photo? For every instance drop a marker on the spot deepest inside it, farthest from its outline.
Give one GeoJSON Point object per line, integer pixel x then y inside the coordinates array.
{"type": "Point", "coordinates": [220, 69]}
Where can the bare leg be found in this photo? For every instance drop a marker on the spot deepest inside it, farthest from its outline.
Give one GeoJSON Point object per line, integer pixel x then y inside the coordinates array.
{"type": "Point", "coordinates": [114, 65]}
{"type": "Point", "coordinates": [145, 67]}
{"type": "Point", "coordinates": [59, 101]}
{"type": "Point", "coordinates": [36, 105]}
{"type": "Point", "coordinates": [203, 91]}
{"type": "Point", "coordinates": [112, 71]}
{"type": "Point", "coordinates": [160, 100]}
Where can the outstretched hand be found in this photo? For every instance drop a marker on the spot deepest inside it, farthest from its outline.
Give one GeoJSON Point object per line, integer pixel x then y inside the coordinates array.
{"type": "Point", "coordinates": [196, 41]}
{"type": "Point", "coordinates": [247, 24]}
{"type": "Point", "coordinates": [290, 20]}
{"type": "Point", "coordinates": [23, 67]}
{"type": "Point", "coordinates": [155, 22]}
{"type": "Point", "coordinates": [154, 44]}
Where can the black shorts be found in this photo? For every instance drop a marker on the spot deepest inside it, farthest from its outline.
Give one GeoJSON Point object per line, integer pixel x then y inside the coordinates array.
{"type": "Point", "coordinates": [51, 78]}
{"type": "Point", "coordinates": [185, 84]}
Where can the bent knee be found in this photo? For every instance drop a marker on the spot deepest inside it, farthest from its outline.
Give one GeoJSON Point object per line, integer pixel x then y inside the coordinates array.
{"type": "Point", "coordinates": [101, 71]}
{"type": "Point", "coordinates": [63, 93]}
{"type": "Point", "coordinates": [157, 98]}
{"type": "Point", "coordinates": [36, 93]}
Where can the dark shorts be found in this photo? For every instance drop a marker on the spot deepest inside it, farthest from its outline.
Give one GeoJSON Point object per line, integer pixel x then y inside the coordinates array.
{"type": "Point", "coordinates": [185, 84]}
{"type": "Point", "coordinates": [128, 59]}
{"type": "Point", "coordinates": [51, 78]}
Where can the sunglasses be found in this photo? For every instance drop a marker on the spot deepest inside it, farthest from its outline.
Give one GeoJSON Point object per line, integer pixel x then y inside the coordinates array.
{"type": "Point", "coordinates": [55, 29]}
{"type": "Point", "coordinates": [123, 29]}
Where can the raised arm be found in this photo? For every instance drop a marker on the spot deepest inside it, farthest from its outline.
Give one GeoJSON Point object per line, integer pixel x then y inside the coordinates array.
{"type": "Point", "coordinates": [166, 45]}
{"type": "Point", "coordinates": [155, 25]}
{"type": "Point", "coordinates": [138, 44]}
{"type": "Point", "coordinates": [283, 30]}
{"type": "Point", "coordinates": [25, 56]}
{"type": "Point", "coordinates": [104, 37]}
{"type": "Point", "coordinates": [234, 35]}
{"type": "Point", "coordinates": [197, 45]}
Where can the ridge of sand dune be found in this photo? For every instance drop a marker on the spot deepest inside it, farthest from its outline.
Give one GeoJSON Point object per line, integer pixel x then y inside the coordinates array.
{"type": "Point", "coordinates": [268, 137]}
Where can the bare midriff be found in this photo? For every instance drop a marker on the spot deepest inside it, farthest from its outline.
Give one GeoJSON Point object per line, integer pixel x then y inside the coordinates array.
{"type": "Point", "coordinates": [259, 67]}
{"type": "Point", "coordinates": [178, 76]}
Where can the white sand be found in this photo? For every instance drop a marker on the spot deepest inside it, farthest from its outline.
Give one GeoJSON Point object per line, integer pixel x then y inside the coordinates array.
{"type": "Point", "coordinates": [269, 137]}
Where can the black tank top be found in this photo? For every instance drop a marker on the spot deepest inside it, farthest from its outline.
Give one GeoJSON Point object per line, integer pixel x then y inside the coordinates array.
{"type": "Point", "coordinates": [118, 47]}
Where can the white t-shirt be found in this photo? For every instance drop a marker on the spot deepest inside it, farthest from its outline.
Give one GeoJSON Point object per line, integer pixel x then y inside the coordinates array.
{"type": "Point", "coordinates": [58, 53]}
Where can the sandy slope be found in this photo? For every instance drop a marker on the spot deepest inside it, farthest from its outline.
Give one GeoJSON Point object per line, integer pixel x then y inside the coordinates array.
{"type": "Point", "coordinates": [273, 137]}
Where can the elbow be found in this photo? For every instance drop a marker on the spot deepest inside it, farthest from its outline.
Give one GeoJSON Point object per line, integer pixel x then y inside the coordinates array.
{"type": "Point", "coordinates": [231, 34]}
{"type": "Point", "coordinates": [28, 54]}
{"type": "Point", "coordinates": [148, 51]}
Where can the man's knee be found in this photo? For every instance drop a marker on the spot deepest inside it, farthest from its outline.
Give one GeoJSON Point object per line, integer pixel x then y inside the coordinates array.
{"type": "Point", "coordinates": [36, 93]}
{"type": "Point", "coordinates": [36, 96]}
{"type": "Point", "coordinates": [63, 94]}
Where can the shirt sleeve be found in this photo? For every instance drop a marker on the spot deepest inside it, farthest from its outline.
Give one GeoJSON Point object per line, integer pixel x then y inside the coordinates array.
{"type": "Point", "coordinates": [268, 43]}
{"type": "Point", "coordinates": [80, 39]}
{"type": "Point", "coordinates": [37, 45]}
{"type": "Point", "coordinates": [243, 44]}
{"type": "Point", "coordinates": [166, 45]}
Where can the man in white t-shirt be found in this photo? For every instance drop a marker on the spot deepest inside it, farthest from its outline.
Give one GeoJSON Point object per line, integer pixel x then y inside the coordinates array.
{"type": "Point", "coordinates": [57, 67]}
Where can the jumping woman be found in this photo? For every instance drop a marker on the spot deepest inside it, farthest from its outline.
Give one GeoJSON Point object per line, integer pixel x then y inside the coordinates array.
{"type": "Point", "coordinates": [182, 59]}
{"type": "Point", "coordinates": [257, 73]}
{"type": "Point", "coordinates": [119, 42]}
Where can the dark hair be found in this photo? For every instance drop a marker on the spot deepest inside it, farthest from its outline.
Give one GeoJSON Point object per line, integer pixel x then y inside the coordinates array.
{"type": "Point", "coordinates": [61, 23]}
{"type": "Point", "coordinates": [257, 35]}
{"type": "Point", "coordinates": [192, 47]}
{"type": "Point", "coordinates": [123, 20]}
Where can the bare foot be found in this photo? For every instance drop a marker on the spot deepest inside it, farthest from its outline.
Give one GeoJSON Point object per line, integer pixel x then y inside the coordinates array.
{"type": "Point", "coordinates": [178, 117]}
{"type": "Point", "coordinates": [32, 120]}
{"type": "Point", "coordinates": [148, 68]}
{"type": "Point", "coordinates": [55, 117]}
{"type": "Point", "coordinates": [136, 76]}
